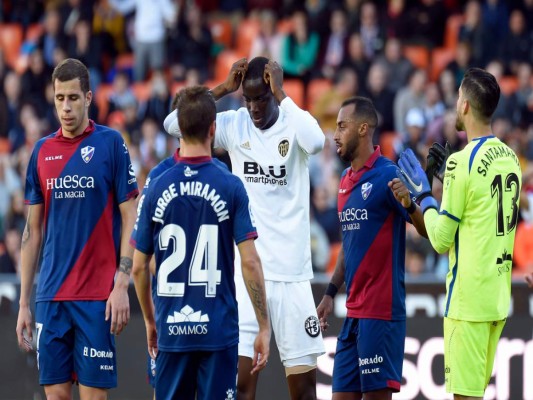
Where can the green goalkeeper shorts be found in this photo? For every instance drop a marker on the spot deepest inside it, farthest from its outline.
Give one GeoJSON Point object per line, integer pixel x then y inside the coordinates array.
{"type": "Point", "coordinates": [469, 350]}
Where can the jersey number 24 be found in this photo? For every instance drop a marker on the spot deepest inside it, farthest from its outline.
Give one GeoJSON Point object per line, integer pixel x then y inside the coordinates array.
{"type": "Point", "coordinates": [205, 253]}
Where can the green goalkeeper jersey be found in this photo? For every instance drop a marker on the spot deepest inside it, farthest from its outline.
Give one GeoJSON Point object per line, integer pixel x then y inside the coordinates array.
{"type": "Point", "coordinates": [477, 224]}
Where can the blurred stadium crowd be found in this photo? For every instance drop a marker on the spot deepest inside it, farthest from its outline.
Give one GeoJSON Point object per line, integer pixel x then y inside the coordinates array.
{"type": "Point", "coordinates": [407, 56]}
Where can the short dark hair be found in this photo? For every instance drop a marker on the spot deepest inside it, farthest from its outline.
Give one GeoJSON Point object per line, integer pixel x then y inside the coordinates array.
{"type": "Point", "coordinates": [196, 112]}
{"type": "Point", "coordinates": [482, 91]}
{"type": "Point", "coordinates": [256, 68]}
{"type": "Point", "coordinates": [364, 109]}
{"type": "Point", "coordinates": [69, 69]}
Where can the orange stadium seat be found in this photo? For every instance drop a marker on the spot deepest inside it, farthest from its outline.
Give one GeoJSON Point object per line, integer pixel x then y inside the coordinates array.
{"type": "Point", "coordinates": [11, 36]}
{"type": "Point", "coordinates": [102, 100]}
{"type": "Point", "coordinates": [124, 61]}
{"type": "Point", "coordinates": [334, 250]}
{"type": "Point", "coordinates": [246, 32]}
{"type": "Point", "coordinates": [294, 88]}
{"type": "Point", "coordinates": [222, 32]}
{"type": "Point", "coordinates": [224, 61]}
{"type": "Point", "coordinates": [34, 32]}
{"type": "Point", "coordinates": [508, 85]}
{"type": "Point", "coordinates": [440, 58]}
{"type": "Point", "coordinates": [451, 31]}
{"type": "Point", "coordinates": [176, 87]}
{"type": "Point", "coordinates": [418, 55]}
{"type": "Point", "coordinates": [315, 89]}
{"type": "Point", "coordinates": [285, 26]}
{"type": "Point", "coordinates": [5, 146]}
{"type": "Point", "coordinates": [387, 143]}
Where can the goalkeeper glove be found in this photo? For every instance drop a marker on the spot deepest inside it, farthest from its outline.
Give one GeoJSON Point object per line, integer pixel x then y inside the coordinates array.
{"type": "Point", "coordinates": [414, 178]}
{"type": "Point", "coordinates": [436, 161]}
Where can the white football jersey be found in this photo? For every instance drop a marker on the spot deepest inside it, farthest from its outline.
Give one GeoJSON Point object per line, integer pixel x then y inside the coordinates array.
{"type": "Point", "coordinates": [273, 165]}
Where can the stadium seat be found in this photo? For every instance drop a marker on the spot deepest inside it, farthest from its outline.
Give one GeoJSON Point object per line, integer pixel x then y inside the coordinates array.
{"type": "Point", "coordinates": [418, 55]}
{"type": "Point", "coordinates": [5, 146]}
{"type": "Point", "coordinates": [222, 32]}
{"type": "Point", "coordinates": [388, 141]}
{"type": "Point", "coordinates": [11, 36]}
{"type": "Point", "coordinates": [246, 33]}
{"type": "Point", "coordinates": [34, 32]}
{"type": "Point", "coordinates": [124, 62]}
{"type": "Point", "coordinates": [294, 88]}
{"type": "Point", "coordinates": [102, 101]}
{"type": "Point", "coordinates": [223, 63]}
{"type": "Point", "coordinates": [508, 85]}
{"type": "Point", "coordinates": [315, 89]}
{"type": "Point", "coordinates": [285, 26]}
{"type": "Point", "coordinates": [451, 31]}
{"type": "Point", "coordinates": [440, 58]}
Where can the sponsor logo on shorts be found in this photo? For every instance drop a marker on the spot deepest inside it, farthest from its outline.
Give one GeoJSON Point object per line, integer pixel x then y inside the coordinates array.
{"type": "Point", "coordinates": [370, 361]}
{"type": "Point", "coordinates": [230, 394]}
{"type": "Point", "coordinates": [107, 367]}
{"type": "Point", "coordinates": [94, 353]}
{"type": "Point", "coordinates": [312, 326]}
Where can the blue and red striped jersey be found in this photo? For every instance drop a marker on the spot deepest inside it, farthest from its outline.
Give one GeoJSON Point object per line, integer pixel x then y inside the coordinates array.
{"type": "Point", "coordinates": [373, 240]}
{"type": "Point", "coordinates": [81, 182]}
{"type": "Point", "coordinates": [191, 217]}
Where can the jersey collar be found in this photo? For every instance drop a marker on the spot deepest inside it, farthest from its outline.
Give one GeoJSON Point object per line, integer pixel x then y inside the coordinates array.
{"type": "Point", "coordinates": [90, 129]}
{"type": "Point", "coordinates": [354, 176]}
{"type": "Point", "coordinates": [484, 137]}
{"type": "Point", "coordinates": [191, 160]}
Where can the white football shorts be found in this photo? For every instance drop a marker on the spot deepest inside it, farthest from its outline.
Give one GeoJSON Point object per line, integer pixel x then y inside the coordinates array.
{"type": "Point", "coordinates": [293, 316]}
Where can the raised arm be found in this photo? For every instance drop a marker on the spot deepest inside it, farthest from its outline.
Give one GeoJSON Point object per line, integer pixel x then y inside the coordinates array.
{"type": "Point", "coordinates": [118, 304]}
{"type": "Point", "coordinates": [308, 133]}
{"type": "Point", "coordinates": [233, 80]}
{"type": "Point", "coordinates": [252, 273]}
{"type": "Point", "coordinates": [29, 254]}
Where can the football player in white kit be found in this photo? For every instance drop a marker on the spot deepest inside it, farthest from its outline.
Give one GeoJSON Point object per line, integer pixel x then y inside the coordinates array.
{"type": "Point", "coordinates": [269, 143]}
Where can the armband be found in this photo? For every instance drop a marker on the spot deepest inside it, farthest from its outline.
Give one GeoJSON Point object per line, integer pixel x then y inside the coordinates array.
{"type": "Point", "coordinates": [331, 290]}
{"type": "Point", "coordinates": [412, 208]}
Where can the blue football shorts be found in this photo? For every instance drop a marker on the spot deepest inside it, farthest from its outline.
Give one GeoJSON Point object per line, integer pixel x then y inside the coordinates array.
{"type": "Point", "coordinates": [205, 374]}
{"type": "Point", "coordinates": [74, 343]}
{"type": "Point", "coordinates": [369, 356]}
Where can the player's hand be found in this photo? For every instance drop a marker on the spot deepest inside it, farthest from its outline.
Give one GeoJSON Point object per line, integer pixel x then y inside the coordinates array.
{"type": "Point", "coordinates": [24, 330]}
{"type": "Point", "coordinates": [236, 75]}
{"type": "Point", "coordinates": [118, 308]}
{"type": "Point", "coordinates": [273, 76]}
{"type": "Point", "coordinates": [413, 176]}
{"type": "Point", "coordinates": [261, 351]}
{"type": "Point", "coordinates": [436, 161]}
{"type": "Point", "coordinates": [400, 192]}
{"type": "Point", "coordinates": [324, 309]}
{"type": "Point", "coordinates": [151, 340]}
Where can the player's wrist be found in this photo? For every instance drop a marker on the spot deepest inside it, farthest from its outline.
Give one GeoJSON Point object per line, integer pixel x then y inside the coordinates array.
{"type": "Point", "coordinates": [412, 208]}
{"type": "Point", "coordinates": [331, 290]}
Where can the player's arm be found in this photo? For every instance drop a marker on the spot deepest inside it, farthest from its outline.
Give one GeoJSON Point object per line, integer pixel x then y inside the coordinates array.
{"type": "Point", "coordinates": [308, 133]}
{"type": "Point", "coordinates": [233, 80]}
{"type": "Point", "coordinates": [441, 230]}
{"type": "Point", "coordinates": [118, 304]}
{"type": "Point", "coordinates": [325, 308]}
{"type": "Point", "coordinates": [142, 282]}
{"type": "Point", "coordinates": [29, 256]}
{"type": "Point", "coordinates": [252, 273]}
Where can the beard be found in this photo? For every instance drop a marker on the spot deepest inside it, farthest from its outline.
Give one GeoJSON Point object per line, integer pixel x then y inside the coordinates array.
{"type": "Point", "coordinates": [351, 151]}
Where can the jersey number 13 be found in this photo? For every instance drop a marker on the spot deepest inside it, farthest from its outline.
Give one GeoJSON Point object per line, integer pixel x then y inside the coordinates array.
{"type": "Point", "coordinates": [497, 190]}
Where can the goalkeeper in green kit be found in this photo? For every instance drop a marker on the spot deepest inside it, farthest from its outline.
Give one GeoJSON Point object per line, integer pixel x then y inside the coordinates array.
{"type": "Point", "coordinates": [476, 223]}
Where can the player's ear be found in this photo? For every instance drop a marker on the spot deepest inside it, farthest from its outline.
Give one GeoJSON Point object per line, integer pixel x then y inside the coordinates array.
{"type": "Point", "coordinates": [212, 130]}
{"type": "Point", "coordinates": [88, 98]}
